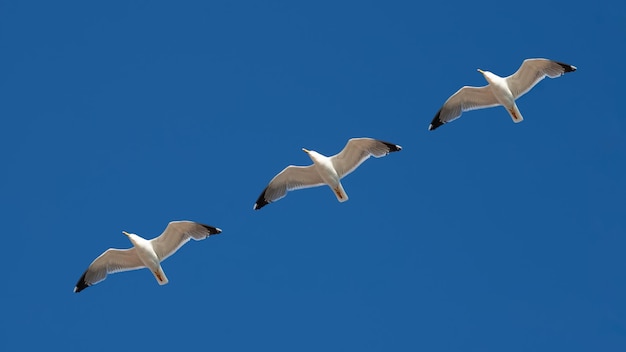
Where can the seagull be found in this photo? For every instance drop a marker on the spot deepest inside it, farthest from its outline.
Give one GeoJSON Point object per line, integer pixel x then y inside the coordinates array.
{"type": "Point", "coordinates": [500, 91]}
{"type": "Point", "coordinates": [325, 170]}
{"type": "Point", "coordinates": [145, 253]}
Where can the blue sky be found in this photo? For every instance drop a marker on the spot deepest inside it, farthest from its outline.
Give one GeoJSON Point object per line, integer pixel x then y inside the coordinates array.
{"type": "Point", "coordinates": [483, 235]}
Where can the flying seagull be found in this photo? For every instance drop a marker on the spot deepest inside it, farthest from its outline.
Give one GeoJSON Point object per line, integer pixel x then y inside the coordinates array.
{"type": "Point", "coordinates": [500, 91]}
{"type": "Point", "coordinates": [145, 253]}
{"type": "Point", "coordinates": [325, 170]}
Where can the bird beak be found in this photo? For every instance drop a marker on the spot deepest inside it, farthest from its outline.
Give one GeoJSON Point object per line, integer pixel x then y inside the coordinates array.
{"type": "Point", "coordinates": [125, 233]}
{"type": "Point", "coordinates": [305, 150]}
{"type": "Point", "coordinates": [481, 71]}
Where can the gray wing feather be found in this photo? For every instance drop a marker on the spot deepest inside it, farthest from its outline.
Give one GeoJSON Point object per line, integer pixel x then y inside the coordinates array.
{"type": "Point", "coordinates": [292, 178]}
{"type": "Point", "coordinates": [177, 233]}
{"type": "Point", "coordinates": [357, 150]}
{"type": "Point", "coordinates": [532, 71]}
{"type": "Point", "coordinates": [112, 261]}
{"type": "Point", "coordinates": [465, 99]}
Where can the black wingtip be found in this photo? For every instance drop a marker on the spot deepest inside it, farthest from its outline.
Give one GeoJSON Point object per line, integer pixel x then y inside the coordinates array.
{"type": "Point", "coordinates": [81, 284]}
{"type": "Point", "coordinates": [212, 230]}
{"type": "Point", "coordinates": [566, 67]}
{"type": "Point", "coordinates": [436, 122]}
{"type": "Point", "coordinates": [392, 147]}
{"type": "Point", "coordinates": [261, 202]}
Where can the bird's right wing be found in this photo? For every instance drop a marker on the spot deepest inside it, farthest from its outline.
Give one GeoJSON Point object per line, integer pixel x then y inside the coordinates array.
{"type": "Point", "coordinates": [177, 233]}
{"type": "Point", "coordinates": [291, 178]}
{"type": "Point", "coordinates": [465, 99]}
{"type": "Point", "coordinates": [532, 71]}
{"type": "Point", "coordinates": [357, 150]}
{"type": "Point", "coordinates": [111, 261]}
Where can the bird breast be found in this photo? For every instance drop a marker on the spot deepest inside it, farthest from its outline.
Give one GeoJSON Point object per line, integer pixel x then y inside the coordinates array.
{"type": "Point", "coordinates": [326, 170]}
{"type": "Point", "coordinates": [146, 253]}
{"type": "Point", "coordinates": [501, 91]}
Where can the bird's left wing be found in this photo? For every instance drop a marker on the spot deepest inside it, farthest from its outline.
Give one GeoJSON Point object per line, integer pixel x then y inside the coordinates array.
{"type": "Point", "coordinates": [532, 72]}
{"type": "Point", "coordinates": [177, 233]}
{"type": "Point", "coordinates": [465, 99]}
{"type": "Point", "coordinates": [291, 178]}
{"type": "Point", "coordinates": [111, 261]}
{"type": "Point", "coordinates": [357, 150]}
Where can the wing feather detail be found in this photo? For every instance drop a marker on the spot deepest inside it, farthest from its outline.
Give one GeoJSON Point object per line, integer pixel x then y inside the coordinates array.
{"type": "Point", "coordinates": [291, 178]}
{"type": "Point", "coordinates": [532, 71]}
{"type": "Point", "coordinates": [357, 150]}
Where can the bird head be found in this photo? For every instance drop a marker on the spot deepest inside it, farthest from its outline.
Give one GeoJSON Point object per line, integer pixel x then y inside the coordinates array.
{"type": "Point", "coordinates": [315, 156]}
{"type": "Point", "coordinates": [131, 236]}
{"type": "Point", "coordinates": [488, 75]}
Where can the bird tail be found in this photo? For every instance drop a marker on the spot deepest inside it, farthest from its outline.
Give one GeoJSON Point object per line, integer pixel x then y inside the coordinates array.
{"type": "Point", "coordinates": [515, 114]}
{"type": "Point", "coordinates": [340, 193]}
{"type": "Point", "coordinates": [159, 275]}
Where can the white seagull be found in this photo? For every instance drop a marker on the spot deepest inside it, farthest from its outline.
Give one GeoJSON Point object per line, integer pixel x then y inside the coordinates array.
{"type": "Point", "coordinates": [145, 253]}
{"type": "Point", "coordinates": [325, 170]}
{"type": "Point", "coordinates": [500, 91]}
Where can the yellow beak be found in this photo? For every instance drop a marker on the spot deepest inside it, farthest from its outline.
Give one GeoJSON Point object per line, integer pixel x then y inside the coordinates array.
{"type": "Point", "coordinates": [481, 71]}
{"type": "Point", "coordinates": [305, 150]}
{"type": "Point", "coordinates": [126, 233]}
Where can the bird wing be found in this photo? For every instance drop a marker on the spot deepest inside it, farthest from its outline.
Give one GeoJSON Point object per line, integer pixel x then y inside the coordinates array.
{"type": "Point", "coordinates": [291, 178]}
{"type": "Point", "coordinates": [465, 99]}
{"type": "Point", "coordinates": [177, 233]}
{"type": "Point", "coordinates": [357, 150]}
{"type": "Point", "coordinates": [532, 71]}
{"type": "Point", "coordinates": [111, 261]}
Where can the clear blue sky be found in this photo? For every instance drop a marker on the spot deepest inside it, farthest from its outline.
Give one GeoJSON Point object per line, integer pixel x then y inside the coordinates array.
{"type": "Point", "coordinates": [483, 235]}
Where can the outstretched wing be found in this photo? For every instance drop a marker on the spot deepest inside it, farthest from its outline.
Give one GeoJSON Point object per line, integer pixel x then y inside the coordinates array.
{"type": "Point", "coordinates": [357, 150]}
{"type": "Point", "coordinates": [532, 72]}
{"type": "Point", "coordinates": [291, 178]}
{"type": "Point", "coordinates": [177, 233]}
{"type": "Point", "coordinates": [111, 261]}
{"type": "Point", "coordinates": [465, 99]}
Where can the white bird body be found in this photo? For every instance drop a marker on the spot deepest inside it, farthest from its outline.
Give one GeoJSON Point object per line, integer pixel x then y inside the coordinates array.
{"type": "Point", "coordinates": [500, 90]}
{"type": "Point", "coordinates": [324, 167]}
{"type": "Point", "coordinates": [145, 253]}
{"type": "Point", "coordinates": [325, 170]}
{"type": "Point", "coordinates": [148, 256]}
